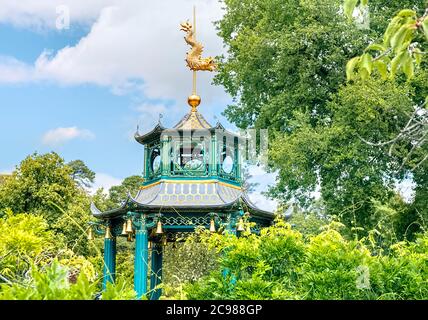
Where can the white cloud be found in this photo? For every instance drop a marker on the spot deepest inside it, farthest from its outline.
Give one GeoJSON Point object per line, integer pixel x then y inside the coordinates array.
{"type": "Point", "coordinates": [61, 135]}
{"type": "Point", "coordinates": [133, 44]}
{"type": "Point", "coordinates": [149, 113]}
{"type": "Point", "coordinates": [15, 71]}
{"type": "Point", "coordinates": [44, 14]}
{"type": "Point", "coordinates": [105, 181]}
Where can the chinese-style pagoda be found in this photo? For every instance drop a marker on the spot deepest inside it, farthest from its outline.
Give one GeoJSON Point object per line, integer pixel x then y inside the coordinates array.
{"type": "Point", "coordinates": [192, 177]}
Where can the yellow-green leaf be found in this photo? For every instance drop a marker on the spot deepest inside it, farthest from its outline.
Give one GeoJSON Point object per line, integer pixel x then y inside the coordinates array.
{"type": "Point", "coordinates": [382, 67]}
{"type": "Point", "coordinates": [407, 64]}
{"type": "Point", "coordinates": [395, 64]}
{"type": "Point", "coordinates": [350, 67]}
{"type": "Point", "coordinates": [418, 56]}
{"type": "Point", "coordinates": [364, 74]}
{"type": "Point", "coordinates": [407, 13]}
{"type": "Point", "coordinates": [425, 27]}
{"type": "Point", "coordinates": [376, 47]}
{"type": "Point", "coordinates": [401, 37]}
{"type": "Point", "coordinates": [392, 29]}
{"type": "Point", "coordinates": [367, 63]}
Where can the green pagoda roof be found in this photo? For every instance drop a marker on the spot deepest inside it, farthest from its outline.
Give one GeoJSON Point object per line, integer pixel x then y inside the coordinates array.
{"type": "Point", "coordinates": [170, 195]}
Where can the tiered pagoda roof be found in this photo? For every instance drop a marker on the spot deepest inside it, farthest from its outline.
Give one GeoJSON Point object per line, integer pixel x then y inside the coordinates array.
{"type": "Point", "coordinates": [195, 195]}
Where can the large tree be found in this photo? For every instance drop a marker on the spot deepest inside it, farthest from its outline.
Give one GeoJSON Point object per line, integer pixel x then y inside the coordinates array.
{"type": "Point", "coordinates": [285, 69]}
{"type": "Point", "coordinates": [40, 184]}
{"type": "Point", "coordinates": [44, 185]}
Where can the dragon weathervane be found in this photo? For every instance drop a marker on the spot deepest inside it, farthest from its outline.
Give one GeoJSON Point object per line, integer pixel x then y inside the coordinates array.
{"type": "Point", "coordinates": [194, 59]}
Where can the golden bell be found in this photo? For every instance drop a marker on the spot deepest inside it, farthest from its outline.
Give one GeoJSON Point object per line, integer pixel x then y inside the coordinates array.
{"type": "Point", "coordinates": [108, 233]}
{"type": "Point", "coordinates": [90, 234]}
{"type": "Point", "coordinates": [159, 227]}
{"type": "Point", "coordinates": [129, 239]}
{"type": "Point", "coordinates": [164, 241]}
{"type": "Point", "coordinates": [129, 226]}
{"type": "Point", "coordinates": [240, 225]}
{"type": "Point", "coordinates": [212, 226]}
{"type": "Point", "coordinates": [124, 233]}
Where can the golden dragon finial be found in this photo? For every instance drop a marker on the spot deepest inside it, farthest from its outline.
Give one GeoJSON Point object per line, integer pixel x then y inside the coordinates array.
{"type": "Point", "coordinates": [194, 57]}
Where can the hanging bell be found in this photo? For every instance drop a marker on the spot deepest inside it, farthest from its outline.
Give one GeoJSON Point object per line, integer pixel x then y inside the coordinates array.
{"type": "Point", "coordinates": [159, 227]}
{"type": "Point", "coordinates": [129, 226]}
{"type": "Point", "coordinates": [212, 226]}
{"type": "Point", "coordinates": [90, 234]}
{"type": "Point", "coordinates": [164, 241]}
{"type": "Point", "coordinates": [124, 233]}
{"type": "Point", "coordinates": [129, 239]}
{"type": "Point", "coordinates": [240, 227]}
{"type": "Point", "coordinates": [108, 233]}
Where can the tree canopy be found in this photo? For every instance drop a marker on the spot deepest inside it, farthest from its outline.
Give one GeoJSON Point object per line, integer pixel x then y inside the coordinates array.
{"type": "Point", "coordinates": [286, 70]}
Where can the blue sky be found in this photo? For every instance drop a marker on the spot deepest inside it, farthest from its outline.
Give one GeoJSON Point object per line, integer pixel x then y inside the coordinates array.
{"type": "Point", "coordinates": [81, 91]}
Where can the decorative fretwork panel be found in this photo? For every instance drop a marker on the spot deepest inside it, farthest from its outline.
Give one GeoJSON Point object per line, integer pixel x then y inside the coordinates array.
{"type": "Point", "coordinates": [186, 221]}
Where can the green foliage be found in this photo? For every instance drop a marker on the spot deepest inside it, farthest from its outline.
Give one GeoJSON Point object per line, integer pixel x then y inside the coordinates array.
{"type": "Point", "coordinates": [120, 290]}
{"type": "Point", "coordinates": [73, 223]}
{"type": "Point", "coordinates": [401, 49]}
{"type": "Point", "coordinates": [117, 194]}
{"type": "Point", "coordinates": [129, 185]}
{"type": "Point", "coordinates": [44, 185]}
{"type": "Point", "coordinates": [281, 264]}
{"type": "Point", "coordinates": [351, 173]}
{"type": "Point", "coordinates": [186, 262]}
{"type": "Point", "coordinates": [283, 57]}
{"type": "Point", "coordinates": [81, 173]}
{"type": "Point", "coordinates": [330, 270]}
{"type": "Point", "coordinates": [39, 182]}
{"type": "Point", "coordinates": [24, 238]}
{"type": "Point", "coordinates": [309, 222]}
{"type": "Point", "coordinates": [53, 283]}
{"type": "Point", "coordinates": [286, 68]}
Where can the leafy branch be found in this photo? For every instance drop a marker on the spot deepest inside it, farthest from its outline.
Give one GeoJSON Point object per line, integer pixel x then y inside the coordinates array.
{"type": "Point", "coordinates": [399, 52]}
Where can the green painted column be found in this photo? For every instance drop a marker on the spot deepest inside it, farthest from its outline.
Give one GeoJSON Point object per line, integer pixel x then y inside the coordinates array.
{"type": "Point", "coordinates": [213, 156]}
{"type": "Point", "coordinates": [229, 227]}
{"type": "Point", "coordinates": [156, 274]}
{"type": "Point", "coordinates": [165, 163]}
{"type": "Point", "coordinates": [109, 272]}
{"type": "Point", "coordinates": [238, 162]}
{"type": "Point", "coordinates": [141, 259]}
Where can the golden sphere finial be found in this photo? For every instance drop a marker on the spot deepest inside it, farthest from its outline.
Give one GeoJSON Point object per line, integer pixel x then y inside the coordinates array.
{"type": "Point", "coordinates": [194, 101]}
